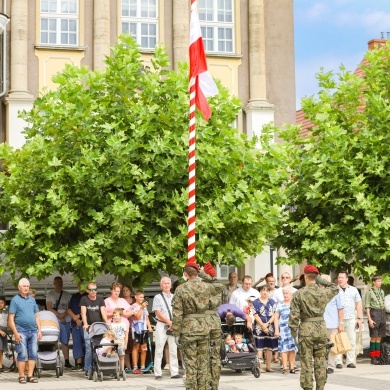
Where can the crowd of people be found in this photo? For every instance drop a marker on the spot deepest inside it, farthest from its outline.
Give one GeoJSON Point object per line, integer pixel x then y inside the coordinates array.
{"type": "Point", "coordinates": [201, 318]}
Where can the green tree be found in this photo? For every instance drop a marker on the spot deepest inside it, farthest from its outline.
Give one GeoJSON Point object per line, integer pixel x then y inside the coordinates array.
{"type": "Point", "coordinates": [336, 180]}
{"type": "Point", "coordinates": [101, 183]}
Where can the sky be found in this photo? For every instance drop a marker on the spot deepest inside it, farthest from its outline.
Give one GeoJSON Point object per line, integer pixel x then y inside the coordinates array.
{"type": "Point", "coordinates": [329, 33]}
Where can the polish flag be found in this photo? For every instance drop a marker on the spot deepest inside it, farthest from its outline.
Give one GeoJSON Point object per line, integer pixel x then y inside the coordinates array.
{"type": "Point", "coordinates": [204, 83]}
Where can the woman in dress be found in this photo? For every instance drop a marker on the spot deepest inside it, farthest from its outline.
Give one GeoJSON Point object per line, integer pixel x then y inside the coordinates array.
{"type": "Point", "coordinates": [286, 344]}
{"type": "Point", "coordinates": [127, 296]}
{"type": "Point", "coordinates": [263, 327]}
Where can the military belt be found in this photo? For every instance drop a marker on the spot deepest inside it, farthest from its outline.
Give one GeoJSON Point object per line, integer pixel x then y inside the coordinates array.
{"type": "Point", "coordinates": [195, 315]}
{"type": "Point", "coordinates": [313, 319]}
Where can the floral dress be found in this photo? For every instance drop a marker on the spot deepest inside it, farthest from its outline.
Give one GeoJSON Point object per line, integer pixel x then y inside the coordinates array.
{"type": "Point", "coordinates": [265, 311]}
{"type": "Point", "coordinates": [286, 341]}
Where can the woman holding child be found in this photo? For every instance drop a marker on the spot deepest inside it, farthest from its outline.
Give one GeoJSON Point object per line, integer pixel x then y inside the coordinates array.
{"type": "Point", "coordinates": [286, 342]}
{"type": "Point", "coordinates": [263, 327]}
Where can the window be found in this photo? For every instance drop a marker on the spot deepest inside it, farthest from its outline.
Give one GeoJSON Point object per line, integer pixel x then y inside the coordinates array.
{"type": "Point", "coordinates": [59, 22]}
{"type": "Point", "coordinates": [216, 23]}
{"type": "Point", "coordinates": [139, 18]}
{"type": "Point", "coordinates": [223, 271]}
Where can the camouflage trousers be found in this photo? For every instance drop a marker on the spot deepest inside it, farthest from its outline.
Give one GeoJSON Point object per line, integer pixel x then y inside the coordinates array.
{"type": "Point", "coordinates": [313, 348]}
{"type": "Point", "coordinates": [195, 350]}
{"type": "Point", "coordinates": [215, 358]}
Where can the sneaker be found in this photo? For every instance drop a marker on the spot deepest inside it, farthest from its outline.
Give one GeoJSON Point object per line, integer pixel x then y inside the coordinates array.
{"type": "Point", "coordinates": [86, 374]}
{"type": "Point", "coordinates": [351, 365]}
{"type": "Point", "coordinates": [339, 366]}
{"type": "Point", "coordinates": [330, 370]}
{"type": "Point", "coordinates": [77, 367]}
{"type": "Point", "coordinates": [137, 371]}
{"type": "Point", "coordinates": [68, 365]}
{"type": "Point", "coordinates": [158, 378]}
{"type": "Point", "coordinates": [177, 376]}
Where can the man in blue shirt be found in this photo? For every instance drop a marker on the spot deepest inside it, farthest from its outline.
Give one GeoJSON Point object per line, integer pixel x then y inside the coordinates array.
{"type": "Point", "coordinates": [24, 322]}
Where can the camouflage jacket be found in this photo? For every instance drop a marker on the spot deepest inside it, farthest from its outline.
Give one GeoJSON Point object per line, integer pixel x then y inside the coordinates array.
{"type": "Point", "coordinates": [310, 302]}
{"type": "Point", "coordinates": [193, 297]}
{"type": "Point", "coordinates": [213, 321]}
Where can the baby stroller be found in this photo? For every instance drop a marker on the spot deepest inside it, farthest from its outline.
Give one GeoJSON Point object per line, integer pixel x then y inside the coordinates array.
{"type": "Point", "coordinates": [48, 347]}
{"type": "Point", "coordinates": [242, 360]}
{"type": "Point", "coordinates": [102, 365]}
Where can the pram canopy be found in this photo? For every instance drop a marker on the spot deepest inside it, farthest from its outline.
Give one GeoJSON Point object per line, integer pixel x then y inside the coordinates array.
{"type": "Point", "coordinates": [50, 327]}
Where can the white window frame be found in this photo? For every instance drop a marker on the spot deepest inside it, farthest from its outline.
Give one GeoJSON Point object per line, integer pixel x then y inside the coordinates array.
{"type": "Point", "coordinates": [224, 270]}
{"type": "Point", "coordinates": [212, 28]}
{"type": "Point", "coordinates": [138, 21]}
{"type": "Point", "coordinates": [55, 16]}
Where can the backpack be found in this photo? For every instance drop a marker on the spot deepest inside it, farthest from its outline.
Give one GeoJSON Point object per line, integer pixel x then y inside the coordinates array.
{"type": "Point", "coordinates": [385, 354]}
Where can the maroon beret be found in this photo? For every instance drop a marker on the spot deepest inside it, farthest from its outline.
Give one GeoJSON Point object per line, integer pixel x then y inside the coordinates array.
{"type": "Point", "coordinates": [310, 269]}
{"type": "Point", "coordinates": [192, 264]}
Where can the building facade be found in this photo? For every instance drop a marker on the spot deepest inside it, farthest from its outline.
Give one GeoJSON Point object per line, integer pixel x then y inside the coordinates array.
{"type": "Point", "coordinates": [249, 46]}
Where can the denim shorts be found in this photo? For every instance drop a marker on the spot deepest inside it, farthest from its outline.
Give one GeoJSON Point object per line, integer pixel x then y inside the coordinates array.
{"type": "Point", "coordinates": [64, 332]}
{"type": "Point", "coordinates": [28, 346]}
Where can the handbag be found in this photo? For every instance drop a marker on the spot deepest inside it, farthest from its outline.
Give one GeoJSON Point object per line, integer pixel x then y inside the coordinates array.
{"type": "Point", "coordinates": [168, 332]}
{"type": "Point", "coordinates": [342, 342]}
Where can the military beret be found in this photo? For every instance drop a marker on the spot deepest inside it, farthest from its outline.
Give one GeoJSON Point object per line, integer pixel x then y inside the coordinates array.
{"type": "Point", "coordinates": [310, 269]}
{"type": "Point", "coordinates": [192, 264]}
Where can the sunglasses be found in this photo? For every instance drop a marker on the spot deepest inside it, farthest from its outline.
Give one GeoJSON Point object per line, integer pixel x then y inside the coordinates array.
{"type": "Point", "coordinates": [92, 289]}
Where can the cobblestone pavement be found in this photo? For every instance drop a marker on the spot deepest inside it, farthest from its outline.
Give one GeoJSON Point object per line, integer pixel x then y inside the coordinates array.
{"type": "Point", "coordinates": [365, 376]}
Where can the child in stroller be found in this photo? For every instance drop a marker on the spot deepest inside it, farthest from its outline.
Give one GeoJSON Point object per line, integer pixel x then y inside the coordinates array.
{"type": "Point", "coordinates": [107, 349]}
{"type": "Point", "coordinates": [105, 359]}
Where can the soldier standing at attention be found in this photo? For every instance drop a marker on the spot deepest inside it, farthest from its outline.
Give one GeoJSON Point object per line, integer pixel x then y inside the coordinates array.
{"type": "Point", "coordinates": [190, 325]}
{"type": "Point", "coordinates": [208, 274]}
{"type": "Point", "coordinates": [307, 315]}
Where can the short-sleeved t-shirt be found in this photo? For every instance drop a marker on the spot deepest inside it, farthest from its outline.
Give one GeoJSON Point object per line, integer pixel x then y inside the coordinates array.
{"type": "Point", "coordinates": [119, 328]}
{"type": "Point", "coordinates": [93, 308]}
{"type": "Point", "coordinates": [53, 297]}
{"type": "Point", "coordinates": [24, 310]}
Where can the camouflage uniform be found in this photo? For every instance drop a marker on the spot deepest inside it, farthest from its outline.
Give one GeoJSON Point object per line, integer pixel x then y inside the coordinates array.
{"type": "Point", "coordinates": [189, 323]}
{"type": "Point", "coordinates": [307, 307]}
{"type": "Point", "coordinates": [214, 324]}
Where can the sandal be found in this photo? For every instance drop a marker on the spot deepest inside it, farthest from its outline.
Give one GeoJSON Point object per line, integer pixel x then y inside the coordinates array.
{"type": "Point", "coordinates": [22, 379]}
{"type": "Point", "coordinates": [284, 371]}
{"type": "Point", "coordinates": [292, 371]}
{"type": "Point", "coordinates": [32, 379]}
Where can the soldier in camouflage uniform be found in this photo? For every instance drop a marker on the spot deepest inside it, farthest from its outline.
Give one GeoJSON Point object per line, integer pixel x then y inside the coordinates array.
{"type": "Point", "coordinates": [214, 324]}
{"type": "Point", "coordinates": [190, 325]}
{"type": "Point", "coordinates": [306, 314]}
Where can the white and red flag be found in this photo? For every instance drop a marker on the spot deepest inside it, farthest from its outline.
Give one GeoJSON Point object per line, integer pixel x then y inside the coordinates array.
{"type": "Point", "coordinates": [204, 83]}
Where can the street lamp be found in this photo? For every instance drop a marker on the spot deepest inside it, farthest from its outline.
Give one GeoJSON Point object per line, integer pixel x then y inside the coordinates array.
{"type": "Point", "coordinates": [4, 20]}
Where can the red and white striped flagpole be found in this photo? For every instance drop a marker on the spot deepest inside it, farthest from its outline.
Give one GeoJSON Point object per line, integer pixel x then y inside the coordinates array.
{"type": "Point", "coordinates": [201, 86]}
{"type": "Point", "coordinates": [192, 176]}
{"type": "Point", "coordinates": [191, 223]}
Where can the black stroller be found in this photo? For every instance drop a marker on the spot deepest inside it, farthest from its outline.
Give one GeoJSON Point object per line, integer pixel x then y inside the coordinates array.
{"type": "Point", "coordinates": [103, 365]}
{"type": "Point", "coordinates": [243, 360]}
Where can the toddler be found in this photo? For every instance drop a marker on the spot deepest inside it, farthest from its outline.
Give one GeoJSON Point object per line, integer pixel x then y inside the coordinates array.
{"type": "Point", "coordinates": [121, 331]}
{"type": "Point", "coordinates": [230, 345]}
{"type": "Point", "coordinates": [107, 350]}
{"type": "Point", "coordinates": [240, 346]}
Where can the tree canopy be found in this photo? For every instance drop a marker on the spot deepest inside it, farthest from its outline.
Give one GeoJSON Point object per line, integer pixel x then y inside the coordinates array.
{"type": "Point", "coordinates": [101, 182]}
{"type": "Point", "coordinates": [336, 179]}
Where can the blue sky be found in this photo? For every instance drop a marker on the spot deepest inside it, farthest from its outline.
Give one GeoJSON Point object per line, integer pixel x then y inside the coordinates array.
{"type": "Point", "coordinates": [329, 33]}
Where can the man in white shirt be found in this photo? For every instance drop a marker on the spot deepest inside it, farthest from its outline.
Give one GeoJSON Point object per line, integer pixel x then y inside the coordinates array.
{"type": "Point", "coordinates": [286, 281]}
{"type": "Point", "coordinates": [352, 302]}
{"type": "Point", "coordinates": [57, 302]}
{"type": "Point", "coordinates": [240, 295]}
{"type": "Point", "coordinates": [162, 307]}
